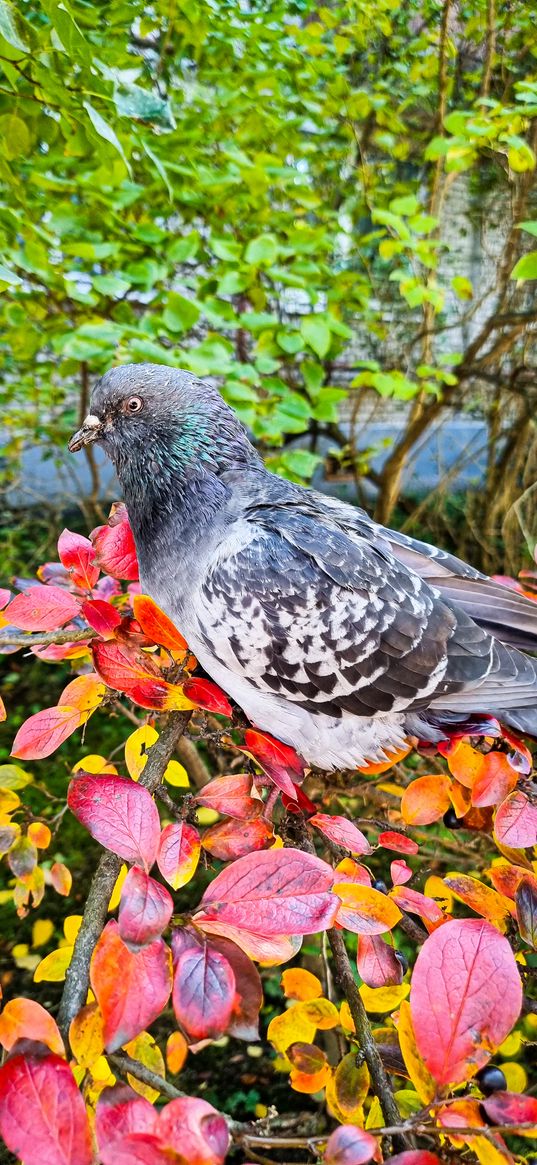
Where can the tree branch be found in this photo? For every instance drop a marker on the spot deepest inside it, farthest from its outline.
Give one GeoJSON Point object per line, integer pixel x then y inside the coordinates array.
{"type": "Point", "coordinates": [96, 908]}
{"type": "Point", "coordinates": [125, 1064]}
{"type": "Point", "coordinates": [45, 638]}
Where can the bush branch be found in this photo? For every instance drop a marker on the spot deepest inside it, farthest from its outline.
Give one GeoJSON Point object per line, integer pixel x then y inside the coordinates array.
{"type": "Point", "coordinates": [96, 908]}
{"type": "Point", "coordinates": [45, 638]}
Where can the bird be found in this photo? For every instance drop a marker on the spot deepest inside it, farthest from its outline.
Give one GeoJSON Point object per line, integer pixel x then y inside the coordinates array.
{"type": "Point", "coordinates": [338, 636]}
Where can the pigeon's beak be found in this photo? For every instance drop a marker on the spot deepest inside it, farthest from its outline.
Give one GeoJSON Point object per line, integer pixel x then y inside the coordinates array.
{"type": "Point", "coordinates": [91, 430]}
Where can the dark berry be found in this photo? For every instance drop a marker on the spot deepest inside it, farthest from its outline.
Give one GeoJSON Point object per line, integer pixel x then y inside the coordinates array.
{"type": "Point", "coordinates": [452, 821]}
{"type": "Point", "coordinates": [402, 959]}
{"type": "Point", "coordinates": [491, 1079]}
{"type": "Point", "coordinates": [380, 886]}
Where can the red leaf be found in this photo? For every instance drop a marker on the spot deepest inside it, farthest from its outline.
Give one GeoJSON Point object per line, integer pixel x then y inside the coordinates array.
{"type": "Point", "coordinates": [178, 853]}
{"type": "Point", "coordinates": [156, 625]}
{"type": "Point", "coordinates": [244, 1022]}
{"type": "Point", "coordinates": [496, 780]}
{"type": "Point", "coordinates": [42, 608]}
{"type": "Point", "coordinates": [42, 1114]}
{"type": "Point", "coordinates": [195, 1130]}
{"type": "Point", "coordinates": [526, 909]}
{"type": "Point", "coordinates": [341, 831]}
{"type": "Point", "coordinates": [205, 694]}
{"type": "Point", "coordinates": [129, 670]}
{"type": "Point", "coordinates": [377, 962]}
{"type": "Point", "coordinates": [76, 554]}
{"type": "Point", "coordinates": [102, 616]}
{"type": "Point", "coordinates": [42, 733]}
{"type": "Point", "coordinates": [145, 909]}
{"type": "Point", "coordinates": [276, 892]}
{"type": "Point", "coordinates": [465, 998]}
{"type": "Point", "coordinates": [349, 1145]}
{"type": "Point", "coordinates": [232, 839]}
{"type": "Point", "coordinates": [203, 987]}
{"type": "Point", "coordinates": [140, 1149]}
{"type": "Point", "coordinates": [511, 1108]}
{"type": "Point", "coordinates": [398, 842]}
{"type": "Point", "coordinates": [400, 873]}
{"type": "Point", "coordinates": [120, 1111]}
{"type": "Point", "coordinates": [131, 989]}
{"type": "Point", "coordinates": [515, 824]}
{"type": "Point", "coordinates": [118, 813]}
{"type": "Point", "coordinates": [231, 795]}
{"type": "Point", "coordinates": [416, 903]}
{"type": "Point", "coordinates": [414, 1157]}
{"type": "Point", "coordinates": [114, 547]}
{"type": "Point", "coordinates": [282, 764]}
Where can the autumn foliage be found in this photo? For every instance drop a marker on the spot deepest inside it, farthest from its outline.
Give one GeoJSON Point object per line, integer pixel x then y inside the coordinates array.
{"type": "Point", "coordinates": [395, 911]}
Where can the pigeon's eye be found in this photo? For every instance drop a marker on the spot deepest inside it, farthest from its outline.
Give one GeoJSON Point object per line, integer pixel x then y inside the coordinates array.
{"type": "Point", "coordinates": [134, 404]}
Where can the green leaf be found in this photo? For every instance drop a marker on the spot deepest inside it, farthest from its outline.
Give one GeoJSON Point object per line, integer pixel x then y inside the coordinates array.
{"type": "Point", "coordinates": [226, 249]}
{"type": "Point", "coordinates": [67, 29]}
{"type": "Point", "coordinates": [462, 287]}
{"type": "Point", "coordinates": [180, 314]}
{"type": "Point", "coordinates": [104, 130]}
{"type": "Point", "coordinates": [530, 227]}
{"type": "Point", "coordinates": [12, 27]}
{"type": "Point", "coordinates": [407, 205]}
{"type": "Point", "coordinates": [526, 268]}
{"type": "Point", "coordinates": [184, 249]}
{"type": "Point", "coordinates": [14, 137]}
{"type": "Point", "coordinates": [262, 251]}
{"type": "Point", "coordinates": [13, 777]}
{"type": "Point", "coordinates": [316, 333]}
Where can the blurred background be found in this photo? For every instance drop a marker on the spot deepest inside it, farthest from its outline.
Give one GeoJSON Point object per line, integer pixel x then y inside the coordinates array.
{"type": "Point", "coordinates": [328, 209]}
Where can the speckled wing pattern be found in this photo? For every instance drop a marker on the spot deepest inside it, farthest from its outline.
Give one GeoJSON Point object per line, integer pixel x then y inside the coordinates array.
{"type": "Point", "coordinates": [330, 620]}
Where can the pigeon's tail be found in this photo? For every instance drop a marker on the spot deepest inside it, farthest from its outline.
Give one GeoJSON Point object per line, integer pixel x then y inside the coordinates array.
{"type": "Point", "coordinates": [522, 720]}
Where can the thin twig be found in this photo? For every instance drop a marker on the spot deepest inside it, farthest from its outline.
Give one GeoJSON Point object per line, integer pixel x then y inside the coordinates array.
{"type": "Point", "coordinates": [125, 1064]}
{"type": "Point", "coordinates": [45, 638]}
{"type": "Point", "coordinates": [96, 908]}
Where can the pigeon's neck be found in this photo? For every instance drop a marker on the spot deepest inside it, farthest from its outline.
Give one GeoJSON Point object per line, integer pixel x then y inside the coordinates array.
{"type": "Point", "coordinates": [174, 486]}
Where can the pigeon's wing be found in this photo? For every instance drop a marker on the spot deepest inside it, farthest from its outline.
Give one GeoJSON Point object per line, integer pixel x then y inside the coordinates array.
{"type": "Point", "coordinates": [503, 612]}
{"type": "Point", "coordinates": [334, 623]}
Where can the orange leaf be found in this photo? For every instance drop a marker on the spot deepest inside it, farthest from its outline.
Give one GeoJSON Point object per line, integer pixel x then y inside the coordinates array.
{"type": "Point", "coordinates": [85, 693]}
{"type": "Point", "coordinates": [25, 1019]}
{"type": "Point", "coordinates": [496, 780]}
{"type": "Point", "coordinates": [364, 910]}
{"type": "Point", "coordinates": [300, 984]}
{"type": "Point", "coordinates": [156, 625]}
{"type": "Point", "coordinates": [176, 1052]}
{"type": "Point", "coordinates": [485, 901]}
{"type": "Point", "coordinates": [131, 989]}
{"type": "Point", "coordinates": [426, 799]}
{"type": "Point", "coordinates": [465, 763]}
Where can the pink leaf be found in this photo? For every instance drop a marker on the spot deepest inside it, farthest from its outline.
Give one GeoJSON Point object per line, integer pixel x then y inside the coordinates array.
{"type": "Point", "coordinates": [203, 988]}
{"type": "Point", "coordinates": [195, 1130]}
{"type": "Point", "coordinates": [131, 989]}
{"type": "Point", "coordinates": [101, 616]}
{"type": "Point", "coordinates": [139, 1149]}
{"type": "Point", "coordinates": [118, 813]}
{"type": "Point", "coordinates": [350, 1145]}
{"type": "Point", "coordinates": [114, 547]}
{"type": "Point", "coordinates": [398, 842]}
{"type": "Point", "coordinates": [377, 962]}
{"type": "Point", "coordinates": [465, 998]}
{"type": "Point", "coordinates": [76, 554]}
{"type": "Point", "coordinates": [244, 1022]}
{"type": "Point", "coordinates": [145, 909]}
{"type": "Point", "coordinates": [42, 608]}
{"type": "Point", "coordinates": [178, 853]}
{"type": "Point", "coordinates": [42, 1114]}
{"type": "Point", "coordinates": [231, 795]}
{"type": "Point", "coordinates": [511, 1108]}
{"type": "Point", "coordinates": [416, 903]}
{"type": "Point", "coordinates": [276, 892]}
{"type": "Point", "coordinates": [44, 732]}
{"type": "Point", "coordinates": [414, 1157]}
{"type": "Point", "coordinates": [515, 824]}
{"type": "Point", "coordinates": [341, 831]}
{"type": "Point", "coordinates": [400, 873]}
{"type": "Point", "coordinates": [120, 1111]}
{"type": "Point", "coordinates": [5, 596]}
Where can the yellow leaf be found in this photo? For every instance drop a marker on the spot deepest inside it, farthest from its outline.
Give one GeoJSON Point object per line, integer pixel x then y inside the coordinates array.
{"type": "Point", "coordinates": [375, 1117]}
{"type": "Point", "coordinates": [207, 816]}
{"type": "Point", "coordinates": [86, 1035]}
{"type": "Point", "coordinates": [516, 1076]}
{"type": "Point", "coordinates": [345, 1017]}
{"type": "Point", "coordinates": [422, 1080]}
{"type": "Point", "coordinates": [300, 984]}
{"type": "Point", "coordinates": [175, 774]}
{"type": "Point", "coordinates": [13, 777]}
{"type": "Point", "coordinates": [436, 888]}
{"type": "Point", "coordinates": [483, 899]}
{"type": "Point", "coordinates": [93, 763]}
{"type": "Point", "coordinates": [42, 931]}
{"type": "Point", "coordinates": [292, 1027]}
{"type": "Point", "coordinates": [321, 1012]}
{"type": "Point", "coordinates": [144, 1049]}
{"type": "Point", "coordinates": [52, 968]}
{"type": "Point", "coordinates": [365, 910]}
{"type": "Point", "coordinates": [9, 801]}
{"type": "Point", "coordinates": [116, 892]}
{"type": "Point", "coordinates": [71, 927]}
{"type": "Point", "coordinates": [101, 1071]}
{"type": "Point", "coordinates": [382, 999]}
{"type": "Point", "coordinates": [511, 1045]}
{"type": "Point", "coordinates": [347, 1090]}
{"type": "Point", "coordinates": [136, 749]}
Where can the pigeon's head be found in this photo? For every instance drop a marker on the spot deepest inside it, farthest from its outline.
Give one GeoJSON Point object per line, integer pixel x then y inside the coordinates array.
{"type": "Point", "coordinates": [150, 416]}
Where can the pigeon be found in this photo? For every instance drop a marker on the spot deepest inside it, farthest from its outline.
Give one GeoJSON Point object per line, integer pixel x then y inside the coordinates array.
{"type": "Point", "coordinates": [338, 636]}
